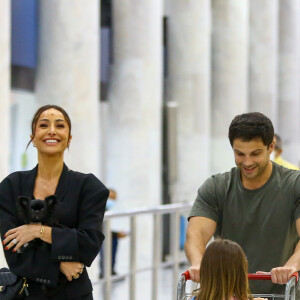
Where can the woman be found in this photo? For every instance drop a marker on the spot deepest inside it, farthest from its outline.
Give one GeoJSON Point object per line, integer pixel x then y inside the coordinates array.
{"type": "Point", "coordinates": [57, 271]}
{"type": "Point", "coordinates": [224, 273]}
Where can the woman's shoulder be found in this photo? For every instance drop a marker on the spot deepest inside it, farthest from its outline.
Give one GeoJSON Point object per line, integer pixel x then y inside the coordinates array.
{"type": "Point", "coordinates": [15, 176]}
{"type": "Point", "coordinates": [13, 181]}
{"type": "Point", "coordinates": [83, 176]}
{"type": "Point", "coordinates": [87, 179]}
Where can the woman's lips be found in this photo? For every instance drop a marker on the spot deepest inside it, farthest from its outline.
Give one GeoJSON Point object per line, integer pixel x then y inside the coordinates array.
{"type": "Point", "coordinates": [51, 142]}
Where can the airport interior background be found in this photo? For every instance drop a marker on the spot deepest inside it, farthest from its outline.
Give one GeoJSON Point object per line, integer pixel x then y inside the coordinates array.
{"type": "Point", "coordinates": [151, 88]}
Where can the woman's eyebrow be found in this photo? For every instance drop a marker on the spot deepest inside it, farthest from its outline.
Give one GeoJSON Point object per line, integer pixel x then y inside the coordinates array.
{"type": "Point", "coordinates": [47, 120]}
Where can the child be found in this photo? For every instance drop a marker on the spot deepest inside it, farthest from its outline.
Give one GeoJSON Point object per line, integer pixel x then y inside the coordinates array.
{"type": "Point", "coordinates": [224, 273]}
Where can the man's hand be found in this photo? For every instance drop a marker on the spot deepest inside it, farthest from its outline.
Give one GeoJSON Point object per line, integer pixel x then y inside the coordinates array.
{"type": "Point", "coordinates": [195, 273]}
{"type": "Point", "coordinates": [282, 275]}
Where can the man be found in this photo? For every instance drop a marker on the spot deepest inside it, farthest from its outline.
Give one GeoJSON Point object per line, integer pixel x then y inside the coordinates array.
{"type": "Point", "coordinates": [277, 154]}
{"type": "Point", "coordinates": [255, 204]}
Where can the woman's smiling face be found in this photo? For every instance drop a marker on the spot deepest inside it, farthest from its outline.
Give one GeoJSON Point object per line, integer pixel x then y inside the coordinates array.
{"type": "Point", "coordinates": [52, 132]}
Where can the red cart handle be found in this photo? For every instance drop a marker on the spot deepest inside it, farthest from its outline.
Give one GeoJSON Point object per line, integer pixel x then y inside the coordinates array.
{"type": "Point", "coordinates": [187, 276]}
{"type": "Point", "coordinates": [268, 276]}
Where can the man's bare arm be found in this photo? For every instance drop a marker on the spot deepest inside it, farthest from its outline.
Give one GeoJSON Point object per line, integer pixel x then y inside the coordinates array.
{"type": "Point", "coordinates": [200, 230]}
{"type": "Point", "coordinates": [281, 275]}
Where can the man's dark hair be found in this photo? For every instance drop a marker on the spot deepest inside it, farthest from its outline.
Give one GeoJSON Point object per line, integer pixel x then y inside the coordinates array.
{"type": "Point", "coordinates": [250, 126]}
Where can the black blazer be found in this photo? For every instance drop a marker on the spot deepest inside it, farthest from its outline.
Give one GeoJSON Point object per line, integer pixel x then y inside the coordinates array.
{"type": "Point", "coordinates": [81, 206]}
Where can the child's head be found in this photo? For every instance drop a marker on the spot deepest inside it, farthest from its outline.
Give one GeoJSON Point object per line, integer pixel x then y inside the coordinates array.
{"type": "Point", "coordinates": [223, 272]}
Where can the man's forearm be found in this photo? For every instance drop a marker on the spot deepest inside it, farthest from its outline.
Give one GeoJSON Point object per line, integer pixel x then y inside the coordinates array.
{"type": "Point", "coordinates": [199, 232]}
{"type": "Point", "coordinates": [194, 251]}
{"type": "Point", "coordinates": [281, 275]}
{"type": "Point", "coordinates": [294, 260]}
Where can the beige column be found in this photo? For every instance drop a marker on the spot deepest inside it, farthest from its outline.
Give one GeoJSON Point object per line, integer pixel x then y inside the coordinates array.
{"type": "Point", "coordinates": [135, 110]}
{"type": "Point", "coordinates": [189, 87]}
{"type": "Point", "coordinates": [4, 86]}
{"type": "Point", "coordinates": [68, 73]}
{"type": "Point", "coordinates": [263, 58]}
{"type": "Point", "coordinates": [4, 95]}
{"type": "Point", "coordinates": [288, 88]}
{"type": "Point", "coordinates": [229, 75]}
{"type": "Point", "coordinates": [134, 156]}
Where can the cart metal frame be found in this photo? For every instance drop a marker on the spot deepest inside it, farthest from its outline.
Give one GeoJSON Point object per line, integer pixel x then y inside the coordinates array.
{"type": "Point", "coordinates": [290, 288]}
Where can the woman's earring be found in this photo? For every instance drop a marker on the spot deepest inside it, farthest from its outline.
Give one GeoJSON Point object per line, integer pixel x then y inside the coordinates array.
{"type": "Point", "coordinates": [34, 145]}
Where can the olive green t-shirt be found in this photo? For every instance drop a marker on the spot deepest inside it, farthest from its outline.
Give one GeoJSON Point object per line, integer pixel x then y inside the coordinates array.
{"type": "Point", "coordinates": [262, 221]}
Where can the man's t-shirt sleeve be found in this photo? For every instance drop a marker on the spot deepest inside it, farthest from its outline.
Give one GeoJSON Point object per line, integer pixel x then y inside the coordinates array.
{"type": "Point", "coordinates": [206, 204]}
{"type": "Point", "coordinates": [297, 199]}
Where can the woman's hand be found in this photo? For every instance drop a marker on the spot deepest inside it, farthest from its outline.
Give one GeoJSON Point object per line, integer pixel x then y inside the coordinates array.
{"type": "Point", "coordinates": [71, 270]}
{"type": "Point", "coordinates": [21, 235]}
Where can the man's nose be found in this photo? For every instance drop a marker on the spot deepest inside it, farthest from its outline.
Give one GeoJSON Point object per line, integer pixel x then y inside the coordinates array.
{"type": "Point", "coordinates": [248, 161]}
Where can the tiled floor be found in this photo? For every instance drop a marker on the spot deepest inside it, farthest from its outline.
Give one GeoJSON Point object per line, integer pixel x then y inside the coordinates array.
{"type": "Point", "coordinates": [120, 289]}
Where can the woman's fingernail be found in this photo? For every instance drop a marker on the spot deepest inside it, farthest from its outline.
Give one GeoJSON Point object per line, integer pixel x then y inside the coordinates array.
{"type": "Point", "coordinates": [6, 248]}
{"type": "Point", "coordinates": [4, 235]}
{"type": "Point", "coordinates": [3, 243]}
{"type": "Point", "coordinates": [14, 250]}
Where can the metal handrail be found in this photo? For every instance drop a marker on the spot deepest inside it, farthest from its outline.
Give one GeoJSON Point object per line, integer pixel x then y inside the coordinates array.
{"type": "Point", "coordinates": [157, 212]}
{"type": "Point", "coordinates": [160, 209]}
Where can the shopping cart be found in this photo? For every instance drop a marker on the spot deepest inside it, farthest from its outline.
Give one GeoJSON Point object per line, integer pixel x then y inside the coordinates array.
{"type": "Point", "coordinates": [290, 288]}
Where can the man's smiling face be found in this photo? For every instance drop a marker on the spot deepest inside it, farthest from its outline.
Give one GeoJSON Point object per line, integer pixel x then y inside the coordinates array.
{"type": "Point", "coordinates": [252, 157]}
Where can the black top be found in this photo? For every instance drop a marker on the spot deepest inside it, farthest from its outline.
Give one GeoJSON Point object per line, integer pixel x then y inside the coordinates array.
{"type": "Point", "coordinates": [80, 209]}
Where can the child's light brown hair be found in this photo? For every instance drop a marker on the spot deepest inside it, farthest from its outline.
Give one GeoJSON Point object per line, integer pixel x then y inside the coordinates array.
{"type": "Point", "coordinates": [224, 272]}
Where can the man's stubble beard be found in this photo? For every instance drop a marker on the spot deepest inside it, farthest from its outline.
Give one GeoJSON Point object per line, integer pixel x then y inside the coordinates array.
{"type": "Point", "coordinates": [260, 170]}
